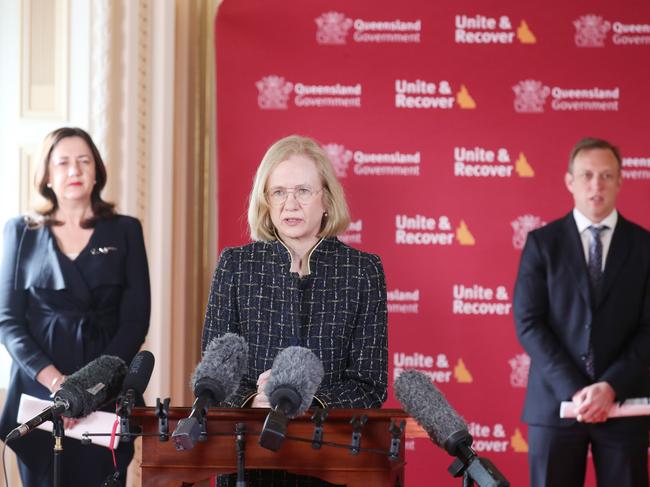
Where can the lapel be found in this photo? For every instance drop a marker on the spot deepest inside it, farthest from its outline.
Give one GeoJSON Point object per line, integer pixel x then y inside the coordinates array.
{"type": "Point", "coordinates": [38, 264]}
{"type": "Point", "coordinates": [616, 256]}
{"type": "Point", "coordinates": [574, 257]}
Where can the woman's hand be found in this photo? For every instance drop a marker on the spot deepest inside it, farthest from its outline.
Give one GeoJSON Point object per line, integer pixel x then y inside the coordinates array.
{"type": "Point", "coordinates": [52, 379]}
{"type": "Point", "coordinates": [261, 401]}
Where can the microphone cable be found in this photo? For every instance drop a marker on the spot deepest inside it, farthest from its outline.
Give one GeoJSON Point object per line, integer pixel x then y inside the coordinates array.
{"type": "Point", "coordinates": [4, 463]}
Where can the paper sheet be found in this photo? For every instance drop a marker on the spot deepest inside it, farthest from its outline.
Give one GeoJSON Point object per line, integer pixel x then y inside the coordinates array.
{"type": "Point", "coordinates": [97, 422]}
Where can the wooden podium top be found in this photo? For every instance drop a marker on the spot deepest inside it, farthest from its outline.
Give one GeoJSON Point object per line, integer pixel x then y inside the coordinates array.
{"type": "Point", "coordinates": [162, 465]}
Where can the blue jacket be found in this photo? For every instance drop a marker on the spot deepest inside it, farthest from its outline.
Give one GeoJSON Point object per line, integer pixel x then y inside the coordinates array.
{"type": "Point", "coordinates": [557, 318]}
{"type": "Point", "coordinates": [57, 311]}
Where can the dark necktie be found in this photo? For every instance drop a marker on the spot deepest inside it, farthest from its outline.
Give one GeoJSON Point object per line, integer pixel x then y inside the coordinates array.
{"type": "Point", "coordinates": [595, 264]}
{"type": "Point", "coordinates": [595, 267]}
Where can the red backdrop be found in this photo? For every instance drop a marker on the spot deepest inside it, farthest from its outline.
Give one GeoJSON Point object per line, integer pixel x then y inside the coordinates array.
{"type": "Point", "coordinates": [449, 124]}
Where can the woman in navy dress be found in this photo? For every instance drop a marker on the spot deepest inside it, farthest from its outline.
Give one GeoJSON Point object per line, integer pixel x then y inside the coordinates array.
{"type": "Point", "coordinates": [74, 285]}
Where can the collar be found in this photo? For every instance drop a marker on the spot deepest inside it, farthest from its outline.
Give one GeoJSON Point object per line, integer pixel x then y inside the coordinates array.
{"type": "Point", "coordinates": [306, 263]}
{"type": "Point", "coordinates": [583, 222]}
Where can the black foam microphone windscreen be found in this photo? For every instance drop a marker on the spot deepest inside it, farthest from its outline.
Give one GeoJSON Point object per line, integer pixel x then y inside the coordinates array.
{"type": "Point", "coordinates": [220, 371]}
{"type": "Point", "coordinates": [426, 404]}
{"type": "Point", "coordinates": [140, 370]}
{"type": "Point", "coordinates": [295, 376]}
{"type": "Point", "coordinates": [92, 385]}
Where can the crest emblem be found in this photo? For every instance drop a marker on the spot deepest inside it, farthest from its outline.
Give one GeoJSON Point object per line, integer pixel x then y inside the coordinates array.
{"type": "Point", "coordinates": [340, 158]}
{"type": "Point", "coordinates": [519, 373]}
{"type": "Point", "coordinates": [530, 96]}
{"type": "Point", "coordinates": [273, 92]}
{"type": "Point", "coordinates": [333, 28]}
{"type": "Point", "coordinates": [591, 31]}
{"type": "Point", "coordinates": [521, 226]}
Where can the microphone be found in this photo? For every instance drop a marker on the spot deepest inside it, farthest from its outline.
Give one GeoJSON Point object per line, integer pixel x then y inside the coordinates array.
{"type": "Point", "coordinates": [426, 404]}
{"type": "Point", "coordinates": [216, 377]}
{"type": "Point", "coordinates": [133, 387]}
{"type": "Point", "coordinates": [81, 393]}
{"type": "Point", "coordinates": [295, 377]}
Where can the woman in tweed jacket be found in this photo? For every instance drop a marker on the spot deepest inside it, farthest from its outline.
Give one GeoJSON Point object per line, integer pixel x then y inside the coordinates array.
{"type": "Point", "coordinates": [297, 284]}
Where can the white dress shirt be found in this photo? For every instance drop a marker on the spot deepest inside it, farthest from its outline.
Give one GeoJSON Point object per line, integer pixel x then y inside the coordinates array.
{"type": "Point", "coordinates": [584, 223]}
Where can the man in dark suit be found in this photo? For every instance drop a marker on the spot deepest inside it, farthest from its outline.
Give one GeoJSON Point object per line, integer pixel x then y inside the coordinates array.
{"type": "Point", "coordinates": [582, 313]}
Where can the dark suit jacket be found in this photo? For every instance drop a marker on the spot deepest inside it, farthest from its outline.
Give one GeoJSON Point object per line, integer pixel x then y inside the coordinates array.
{"type": "Point", "coordinates": [555, 316]}
{"type": "Point", "coordinates": [67, 313]}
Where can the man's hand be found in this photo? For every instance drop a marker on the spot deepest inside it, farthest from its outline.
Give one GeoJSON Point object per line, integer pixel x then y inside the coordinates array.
{"type": "Point", "coordinates": [594, 402]}
{"type": "Point", "coordinates": [261, 401]}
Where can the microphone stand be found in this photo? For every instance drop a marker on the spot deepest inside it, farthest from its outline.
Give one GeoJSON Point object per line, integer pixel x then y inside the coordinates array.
{"type": "Point", "coordinates": [58, 433]}
{"type": "Point", "coordinates": [240, 441]}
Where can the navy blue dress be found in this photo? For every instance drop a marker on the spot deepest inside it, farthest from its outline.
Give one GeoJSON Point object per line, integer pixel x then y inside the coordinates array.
{"type": "Point", "coordinates": [54, 310]}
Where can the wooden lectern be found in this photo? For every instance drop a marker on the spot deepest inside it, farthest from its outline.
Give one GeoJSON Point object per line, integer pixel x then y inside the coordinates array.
{"type": "Point", "coordinates": [163, 466]}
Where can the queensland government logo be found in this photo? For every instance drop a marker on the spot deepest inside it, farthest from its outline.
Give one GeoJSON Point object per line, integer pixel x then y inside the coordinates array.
{"type": "Point", "coordinates": [592, 31]}
{"type": "Point", "coordinates": [531, 95]}
{"type": "Point", "coordinates": [274, 94]}
{"type": "Point", "coordinates": [333, 28]}
{"type": "Point", "coordinates": [367, 163]}
{"type": "Point", "coordinates": [340, 158]}
{"type": "Point", "coordinates": [481, 29]}
{"type": "Point", "coordinates": [521, 226]}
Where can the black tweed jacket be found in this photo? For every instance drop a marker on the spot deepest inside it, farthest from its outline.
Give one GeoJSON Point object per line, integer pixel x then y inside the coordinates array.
{"type": "Point", "coordinates": [338, 311]}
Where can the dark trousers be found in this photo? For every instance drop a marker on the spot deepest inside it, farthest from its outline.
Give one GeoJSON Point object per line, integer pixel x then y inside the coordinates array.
{"type": "Point", "coordinates": [558, 455]}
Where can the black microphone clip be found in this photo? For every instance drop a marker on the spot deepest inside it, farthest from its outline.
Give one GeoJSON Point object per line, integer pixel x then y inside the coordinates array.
{"type": "Point", "coordinates": [162, 412]}
{"type": "Point", "coordinates": [396, 438]}
{"type": "Point", "coordinates": [124, 408]}
{"type": "Point", "coordinates": [318, 418]}
{"type": "Point", "coordinates": [357, 423]}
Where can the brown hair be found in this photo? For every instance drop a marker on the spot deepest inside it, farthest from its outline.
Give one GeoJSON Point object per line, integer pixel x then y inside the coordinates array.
{"type": "Point", "coordinates": [589, 143]}
{"type": "Point", "coordinates": [45, 211]}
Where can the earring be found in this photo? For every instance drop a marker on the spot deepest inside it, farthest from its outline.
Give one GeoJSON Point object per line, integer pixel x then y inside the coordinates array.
{"type": "Point", "coordinates": [325, 215]}
{"type": "Point", "coordinates": [49, 185]}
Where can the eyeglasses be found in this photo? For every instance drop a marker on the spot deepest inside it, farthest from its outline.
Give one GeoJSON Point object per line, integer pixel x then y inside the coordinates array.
{"type": "Point", "coordinates": [303, 195]}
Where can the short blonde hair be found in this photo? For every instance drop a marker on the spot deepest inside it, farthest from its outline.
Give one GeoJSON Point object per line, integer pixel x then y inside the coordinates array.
{"type": "Point", "coordinates": [259, 218]}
